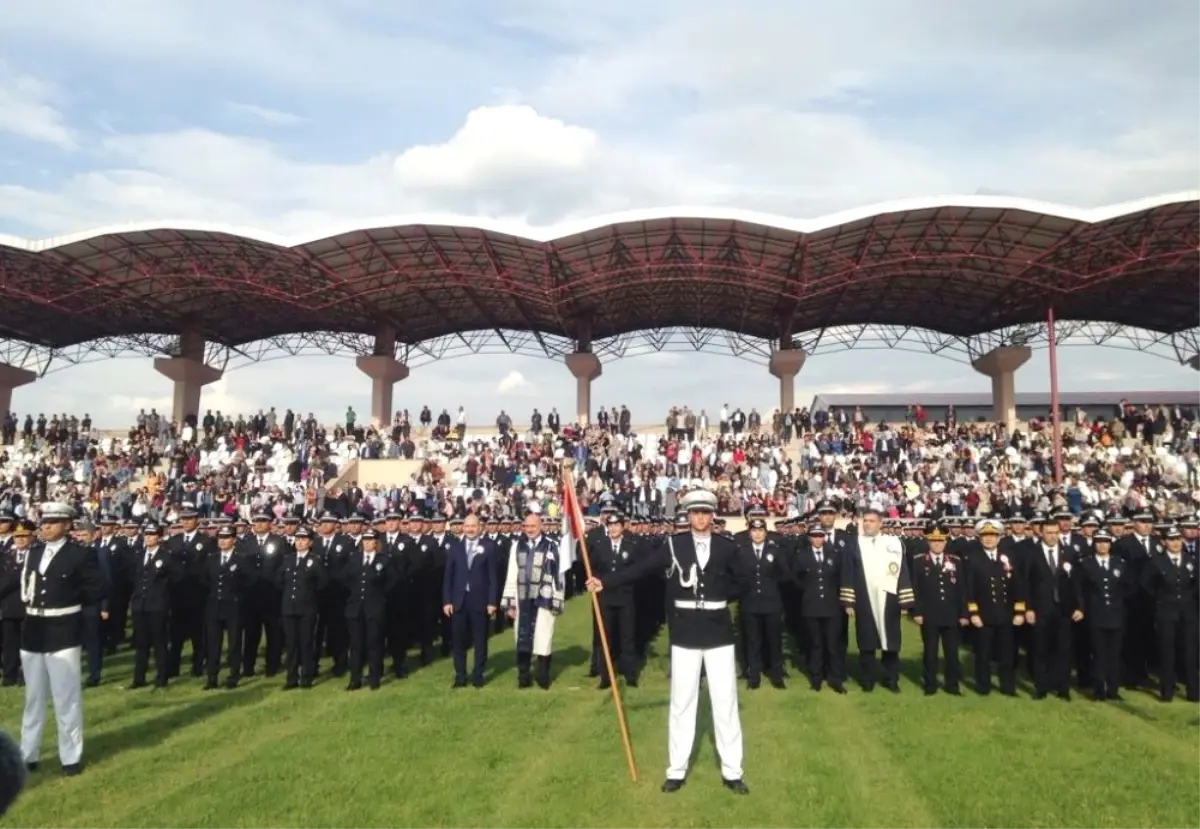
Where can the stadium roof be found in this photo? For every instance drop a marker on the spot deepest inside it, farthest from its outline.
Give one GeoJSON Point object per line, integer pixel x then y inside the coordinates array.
{"type": "Point", "coordinates": [963, 400]}
{"type": "Point", "coordinates": [959, 266]}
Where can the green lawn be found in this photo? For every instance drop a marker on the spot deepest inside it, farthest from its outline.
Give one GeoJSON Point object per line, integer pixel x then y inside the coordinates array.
{"type": "Point", "coordinates": [417, 754]}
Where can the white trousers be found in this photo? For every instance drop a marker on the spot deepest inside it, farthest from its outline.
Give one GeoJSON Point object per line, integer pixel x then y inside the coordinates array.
{"type": "Point", "coordinates": [543, 631]}
{"type": "Point", "coordinates": [721, 667]}
{"type": "Point", "coordinates": [58, 675]}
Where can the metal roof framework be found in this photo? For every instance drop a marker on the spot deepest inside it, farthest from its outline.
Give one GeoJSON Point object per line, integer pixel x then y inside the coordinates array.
{"type": "Point", "coordinates": [953, 278]}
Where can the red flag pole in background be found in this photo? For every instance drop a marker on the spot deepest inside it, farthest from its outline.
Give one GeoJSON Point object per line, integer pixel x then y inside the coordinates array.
{"type": "Point", "coordinates": [575, 516]}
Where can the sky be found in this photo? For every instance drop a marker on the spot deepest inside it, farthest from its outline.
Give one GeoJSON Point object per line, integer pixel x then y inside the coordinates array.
{"type": "Point", "coordinates": [291, 115]}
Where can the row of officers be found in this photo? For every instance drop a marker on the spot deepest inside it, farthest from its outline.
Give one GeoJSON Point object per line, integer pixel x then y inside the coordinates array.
{"type": "Point", "coordinates": [1111, 604]}
{"type": "Point", "coordinates": [1107, 605]}
{"type": "Point", "coordinates": [349, 590]}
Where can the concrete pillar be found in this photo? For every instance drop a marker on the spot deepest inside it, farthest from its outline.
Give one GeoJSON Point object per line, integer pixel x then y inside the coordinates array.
{"type": "Point", "coordinates": [1001, 365]}
{"type": "Point", "coordinates": [189, 376]}
{"type": "Point", "coordinates": [585, 368]}
{"type": "Point", "coordinates": [11, 378]}
{"type": "Point", "coordinates": [786, 364]}
{"type": "Point", "coordinates": [385, 372]}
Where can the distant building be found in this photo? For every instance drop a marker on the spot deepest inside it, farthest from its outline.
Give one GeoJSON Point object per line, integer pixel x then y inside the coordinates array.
{"type": "Point", "coordinates": [893, 408]}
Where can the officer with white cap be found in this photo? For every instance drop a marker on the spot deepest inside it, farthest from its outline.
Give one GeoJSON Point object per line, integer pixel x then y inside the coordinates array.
{"type": "Point", "coordinates": [58, 579]}
{"type": "Point", "coordinates": [704, 575]}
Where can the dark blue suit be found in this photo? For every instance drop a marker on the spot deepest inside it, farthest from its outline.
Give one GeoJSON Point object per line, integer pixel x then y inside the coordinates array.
{"type": "Point", "coordinates": [93, 628]}
{"type": "Point", "coordinates": [470, 587]}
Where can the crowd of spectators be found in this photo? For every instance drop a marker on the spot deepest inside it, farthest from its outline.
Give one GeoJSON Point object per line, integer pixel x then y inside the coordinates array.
{"type": "Point", "coordinates": [783, 463]}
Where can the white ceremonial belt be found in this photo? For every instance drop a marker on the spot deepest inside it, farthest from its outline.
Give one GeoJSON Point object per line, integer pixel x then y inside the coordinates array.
{"type": "Point", "coordinates": [54, 612]}
{"type": "Point", "coordinates": [685, 604]}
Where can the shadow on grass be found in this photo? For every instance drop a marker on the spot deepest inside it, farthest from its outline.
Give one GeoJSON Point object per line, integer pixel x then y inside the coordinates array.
{"type": "Point", "coordinates": [563, 660]}
{"type": "Point", "coordinates": [152, 732]}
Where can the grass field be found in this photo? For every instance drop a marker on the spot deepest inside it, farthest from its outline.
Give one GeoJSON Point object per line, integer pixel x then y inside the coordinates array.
{"type": "Point", "coordinates": [418, 754]}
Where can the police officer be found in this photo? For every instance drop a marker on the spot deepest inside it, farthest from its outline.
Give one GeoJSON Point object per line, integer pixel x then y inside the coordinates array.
{"type": "Point", "coordinates": [368, 575]}
{"type": "Point", "coordinates": [154, 572]}
{"type": "Point", "coordinates": [301, 578]}
{"type": "Point", "coordinates": [58, 578]}
{"type": "Point", "coordinates": [1102, 581]}
{"type": "Point", "coordinates": [819, 571]}
{"type": "Point", "coordinates": [761, 607]}
{"type": "Point", "coordinates": [940, 609]}
{"type": "Point", "coordinates": [229, 575]}
{"type": "Point", "coordinates": [611, 554]}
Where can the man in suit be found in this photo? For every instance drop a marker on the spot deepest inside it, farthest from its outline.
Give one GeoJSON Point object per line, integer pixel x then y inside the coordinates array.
{"type": "Point", "coordinates": [59, 578]}
{"type": "Point", "coordinates": [996, 604]}
{"type": "Point", "coordinates": [470, 596]}
{"type": "Point", "coordinates": [1050, 609]}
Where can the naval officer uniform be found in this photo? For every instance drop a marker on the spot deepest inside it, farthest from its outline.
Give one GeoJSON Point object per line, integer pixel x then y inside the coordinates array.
{"type": "Point", "coordinates": [704, 574]}
{"type": "Point", "coordinates": [58, 579]}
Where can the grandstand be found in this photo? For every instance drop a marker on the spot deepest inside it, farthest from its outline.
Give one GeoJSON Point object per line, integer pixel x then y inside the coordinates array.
{"type": "Point", "coordinates": [1004, 274]}
{"type": "Point", "coordinates": [894, 408]}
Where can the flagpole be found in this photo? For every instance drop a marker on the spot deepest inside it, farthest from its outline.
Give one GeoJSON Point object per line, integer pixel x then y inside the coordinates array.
{"type": "Point", "coordinates": [575, 516]}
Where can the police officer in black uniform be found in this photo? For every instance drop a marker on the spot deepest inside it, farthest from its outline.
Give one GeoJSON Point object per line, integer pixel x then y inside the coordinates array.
{"type": "Point", "coordinates": [940, 609]}
{"type": "Point", "coordinates": [818, 569]}
{"type": "Point", "coordinates": [760, 610]}
{"type": "Point", "coordinates": [1102, 582]}
{"type": "Point", "coordinates": [301, 578]}
{"type": "Point", "coordinates": [154, 572]}
{"type": "Point", "coordinates": [229, 575]}
{"type": "Point", "coordinates": [612, 554]}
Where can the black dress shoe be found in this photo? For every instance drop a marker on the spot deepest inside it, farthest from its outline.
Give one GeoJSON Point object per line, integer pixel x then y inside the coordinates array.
{"type": "Point", "coordinates": [954, 692]}
{"type": "Point", "coordinates": [1064, 695]}
{"type": "Point", "coordinates": [816, 686]}
{"type": "Point", "coordinates": [92, 682]}
{"type": "Point", "coordinates": [291, 686]}
{"type": "Point", "coordinates": [753, 684]}
{"type": "Point", "coordinates": [604, 685]}
{"type": "Point", "coordinates": [72, 769]}
{"type": "Point", "coordinates": [669, 786]}
{"type": "Point", "coordinates": [133, 686]}
{"type": "Point", "coordinates": [1039, 695]}
{"type": "Point", "coordinates": [631, 681]}
{"type": "Point", "coordinates": [306, 683]}
{"type": "Point", "coordinates": [478, 683]}
{"type": "Point", "coordinates": [231, 683]}
{"type": "Point", "coordinates": [211, 685]}
{"type": "Point", "coordinates": [31, 767]}
{"type": "Point", "coordinates": [777, 682]}
{"type": "Point", "coordinates": [892, 685]}
{"type": "Point", "coordinates": [354, 686]}
{"type": "Point", "coordinates": [838, 687]}
{"type": "Point", "coordinates": [929, 692]}
{"type": "Point", "coordinates": [735, 786]}
{"type": "Point", "coordinates": [460, 683]}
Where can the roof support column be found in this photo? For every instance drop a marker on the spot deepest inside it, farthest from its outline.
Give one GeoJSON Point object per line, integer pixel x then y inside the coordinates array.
{"type": "Point", "coordinates": [11, 378]}
{"type": "Point", "coordinates": [1001, 365]}
{"type": "Point", "coordinates": [190, 374]}
{"type": "Point", "coordinates": [585, 367]}
{"type": "Point", "coordinates": [786, 364]}
{"type": "Point", "coordinates": [385, 372]}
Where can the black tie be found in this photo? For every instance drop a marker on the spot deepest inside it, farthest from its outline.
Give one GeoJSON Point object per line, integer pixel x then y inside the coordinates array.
{"type": "Point", "coordinates": [937, 562]}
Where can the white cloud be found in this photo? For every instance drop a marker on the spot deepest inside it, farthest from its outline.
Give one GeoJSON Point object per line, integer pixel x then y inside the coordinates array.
{"type": "Point", "coordinates": [27, 112]}
{"type": "Point", "coordinates": [270, 116]}
{"type": "Point", "coordinates": [515, 384]}
{"type": "Point", "coordinates": [216, 396]}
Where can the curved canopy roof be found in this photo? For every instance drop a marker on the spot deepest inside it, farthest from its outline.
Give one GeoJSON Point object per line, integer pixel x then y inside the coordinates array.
{"type": "Point", "coordinates": [956, 265]}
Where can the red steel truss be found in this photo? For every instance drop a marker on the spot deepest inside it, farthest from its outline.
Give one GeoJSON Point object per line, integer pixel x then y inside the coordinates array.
{"type": "Point", "coordinates": [951, 280]}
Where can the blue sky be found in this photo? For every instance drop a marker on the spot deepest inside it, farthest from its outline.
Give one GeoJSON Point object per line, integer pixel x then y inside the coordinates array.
{"type": "Point", "coordinates": [287, 116]}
